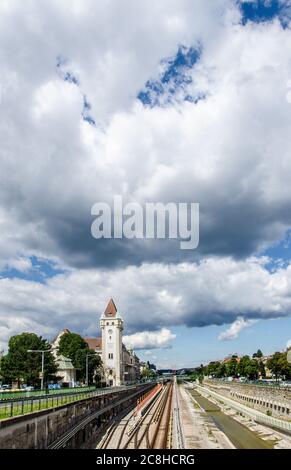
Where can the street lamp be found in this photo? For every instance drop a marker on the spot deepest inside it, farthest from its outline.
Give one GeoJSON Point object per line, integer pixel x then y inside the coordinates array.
{"type": "Point", "coordinates": [87, 367]}
{"type": "Point", "coordinates": [42, 351]}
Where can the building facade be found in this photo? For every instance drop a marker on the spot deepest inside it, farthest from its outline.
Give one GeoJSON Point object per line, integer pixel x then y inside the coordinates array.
{"type": "Point", "coordinates": [121, 366]}
{"type": "Point", "coordinates": [113, 356]}
{"type": "Point", "coordinates": [66, 371]}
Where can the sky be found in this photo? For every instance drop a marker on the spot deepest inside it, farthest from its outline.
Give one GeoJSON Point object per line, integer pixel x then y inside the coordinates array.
{"type": "Point", "coordinates": [169, 101]}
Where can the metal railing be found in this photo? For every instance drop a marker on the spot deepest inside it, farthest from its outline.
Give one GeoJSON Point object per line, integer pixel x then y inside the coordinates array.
{"type": "Point", "coordinates": [24, 405]}
{"type": "Point", "coordinates": [9, 395]}
{"type": "Point", "coordinates": [269, 386]}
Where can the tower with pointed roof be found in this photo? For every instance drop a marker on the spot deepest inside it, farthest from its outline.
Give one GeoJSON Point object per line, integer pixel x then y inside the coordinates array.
{"type": "Point", "coordinates": [111, 325]}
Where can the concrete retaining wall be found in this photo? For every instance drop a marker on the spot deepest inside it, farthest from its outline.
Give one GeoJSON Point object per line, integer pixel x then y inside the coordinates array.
{"type": "Point", "coordinates": [276, 401]}
{"type": "Point", "coordinates": [38, 430]}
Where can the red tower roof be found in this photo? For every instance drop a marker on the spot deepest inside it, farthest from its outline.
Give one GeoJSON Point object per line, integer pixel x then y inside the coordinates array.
{"type": "Point", "coordinates": [111, 309]}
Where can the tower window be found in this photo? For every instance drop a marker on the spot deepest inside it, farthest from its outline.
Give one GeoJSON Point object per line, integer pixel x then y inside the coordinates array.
{"type": "Point", "coordinates": [110, 356]}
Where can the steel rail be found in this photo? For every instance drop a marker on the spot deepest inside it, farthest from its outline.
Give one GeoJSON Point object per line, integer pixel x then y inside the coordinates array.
{"type": "Point", "coordinates": [66, 437]}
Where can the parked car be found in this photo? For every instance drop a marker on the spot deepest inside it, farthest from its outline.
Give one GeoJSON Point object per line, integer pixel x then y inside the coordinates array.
{"type": "Point", "coordinates": [5, 387]}
{"type": "Point", "coordinates": [285, 384]}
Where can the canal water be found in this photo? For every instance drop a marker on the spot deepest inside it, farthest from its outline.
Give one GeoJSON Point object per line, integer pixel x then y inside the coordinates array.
{"type": "Point", "coordinates": [238, 434]}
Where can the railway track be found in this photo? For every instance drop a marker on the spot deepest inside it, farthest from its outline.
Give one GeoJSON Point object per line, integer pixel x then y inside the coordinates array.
{"type": "Point", "coordinates": [178, 431]}
{"type": "Point", "coordinates": [148, 432]}
{"type": "Point", "coordinates": [64, 439]}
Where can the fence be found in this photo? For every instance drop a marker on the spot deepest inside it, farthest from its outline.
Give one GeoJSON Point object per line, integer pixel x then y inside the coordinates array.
{"type": "Point", "coordinates": [266, 385]}
{"type": "Point", "coordinates": [274, 423]}
{"type": "Point", "coordinates": [20, 406]}
{"type": "Point", "coordinates": [8, 395]}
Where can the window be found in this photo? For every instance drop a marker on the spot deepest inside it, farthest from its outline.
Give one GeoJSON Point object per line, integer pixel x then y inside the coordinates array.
{"type": "Point", "coordinates": [107, 323]}
{"type": "Point", "coordinates": [110, 356]}
{"type": "Point", "coordinates": [110, 372]}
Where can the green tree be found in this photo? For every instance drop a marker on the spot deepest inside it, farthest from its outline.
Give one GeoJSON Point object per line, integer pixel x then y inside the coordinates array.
{"type": "Point", "coordinates": [75, 348]}
{"type": "Point", "coordinates": [232, 367]}
{"type": "Point", "coordinates": [258, 354]}
{"type": "Point", "coordinates": [243, 366]}
{"type": "Point", "coordinates": [194, 376]}
{"type": "Point", "coordinates": [222, 370]}
{"type": "Point", "coordinates": [213, 369]}
{"type": "Point", "coordinates": [252, 369]}
{"type": "Point", "coordinates": [94, 366]}
{"type": "Point", "coordinates": [18, 365]}
{"type": "Point", "coordinates": [279, 365]}
{"type": "Point", "coordinates": [262, 369]}
{"type": "Point", "coordinates": [69, 344]}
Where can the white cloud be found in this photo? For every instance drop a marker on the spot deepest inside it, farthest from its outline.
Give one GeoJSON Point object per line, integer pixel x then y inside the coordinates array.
{"type": "Point", "coordinates": [235, 328]}
{"type": "Point", "coordinates": [230, 153]}
{"type": "Point", "coordinates": [21, 264]}
{"type": "Point", "coordinates": [54, 166]}
{"type": "Point", "coordinates": [149, 339]}
{"type": "Point", "coordinates": [212, 292]}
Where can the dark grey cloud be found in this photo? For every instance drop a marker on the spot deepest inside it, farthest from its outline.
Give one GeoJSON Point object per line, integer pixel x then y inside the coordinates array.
{"type": "Point", "coordinates": [229, 152]}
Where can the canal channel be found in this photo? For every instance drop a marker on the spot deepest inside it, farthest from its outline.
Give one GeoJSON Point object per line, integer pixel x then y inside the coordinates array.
{"type": "Point", "coordinates": [240, 436]}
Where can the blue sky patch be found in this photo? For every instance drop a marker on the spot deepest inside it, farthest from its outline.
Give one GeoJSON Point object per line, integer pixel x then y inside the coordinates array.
{"type": "Point", "coordinates": [174, 80]}
{"type": "Point", "coordinates": [261, 10]}
{"type": "Point", "coordinates": [69, 77]}
{"type": "Point", "coordinates": [86, 112]}
{"type": "Point", "coordinates": [41, 270]}
{"type": "Point", "coordinates": [279, 253]}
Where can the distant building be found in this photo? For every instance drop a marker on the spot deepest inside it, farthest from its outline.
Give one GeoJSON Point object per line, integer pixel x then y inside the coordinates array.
{"type": "Point", "coordinates": [143, 367]}
{"type": "Point", "coordinates": [264, 360]}
{"type": "Point", "coordinates": [66, 371]}
{"type": "Point", "coordinates": [120, 365]}
{"type": "Point", "coordinates": [230, 357]}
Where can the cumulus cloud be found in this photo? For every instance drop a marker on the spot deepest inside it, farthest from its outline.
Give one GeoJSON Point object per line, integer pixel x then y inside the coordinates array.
{"type": "Point", "coordinates": [157, 154]}
{"type": "Point", "coordinates": [230, 152]}
{"type": "Point", "coordinates": [21, 264]}
{"type": "Point", "coordinates": [150, 297]}
{"type": "Point", "coordinates": [235, 328]}
{"type": "Point", "coordinates": [149, 339]}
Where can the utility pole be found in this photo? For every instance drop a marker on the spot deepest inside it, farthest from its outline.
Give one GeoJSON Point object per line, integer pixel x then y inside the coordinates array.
{"type": "Point", "coordinates": [42, 351]}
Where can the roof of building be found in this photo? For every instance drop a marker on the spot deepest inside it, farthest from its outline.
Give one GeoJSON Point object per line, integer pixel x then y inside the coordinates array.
{"type": "Point", "coordinates": [228, 359]}
{"type": "Point", "coordinates": [61, 333]}
{"type": "Point", "coordinates": [111, 309]}
{"type": "Point", "coordinates": [64, 363]}
{"type": "Point", "coordinates": [94, 343]}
